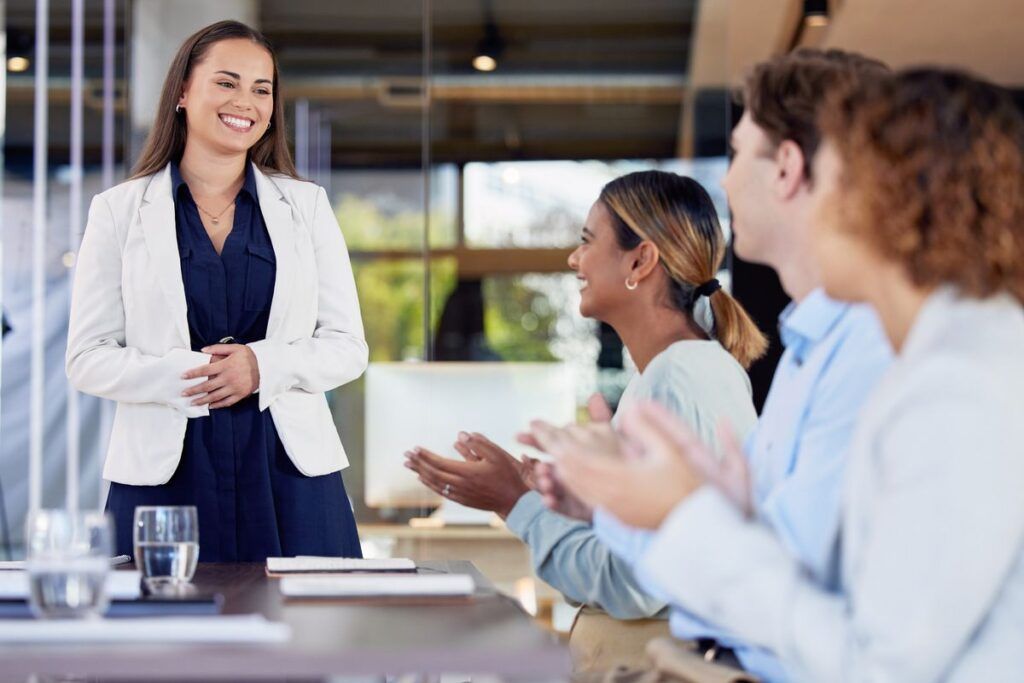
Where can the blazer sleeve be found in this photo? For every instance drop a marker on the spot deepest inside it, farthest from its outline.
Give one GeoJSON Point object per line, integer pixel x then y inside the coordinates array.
{"type": "Point", "coordinates": [98, 361]}
{"type": "Point", "coordinates": [337, 352]}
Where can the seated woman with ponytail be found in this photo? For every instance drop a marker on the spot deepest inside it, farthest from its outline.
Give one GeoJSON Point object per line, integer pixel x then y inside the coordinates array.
{"type": "Point", "coordinates": [649, 253]}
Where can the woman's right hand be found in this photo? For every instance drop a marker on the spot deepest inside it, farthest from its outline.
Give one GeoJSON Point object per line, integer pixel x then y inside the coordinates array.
{"type": "Point", "coordinates": [558, 498]}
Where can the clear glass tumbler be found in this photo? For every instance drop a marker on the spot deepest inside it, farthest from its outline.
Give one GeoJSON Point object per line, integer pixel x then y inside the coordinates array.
{"type": "Point", "coordinates": [67, 563]}
{"type": "Point", "coordinates": [166, 541]}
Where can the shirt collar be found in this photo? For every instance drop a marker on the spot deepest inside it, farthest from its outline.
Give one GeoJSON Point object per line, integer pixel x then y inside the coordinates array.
{"type": "Point", "coordinates": [248, 185]}
{"type": "Point", "coordinates": [176, 180]}
{"type": "Point", "coordinates": [802, 325]}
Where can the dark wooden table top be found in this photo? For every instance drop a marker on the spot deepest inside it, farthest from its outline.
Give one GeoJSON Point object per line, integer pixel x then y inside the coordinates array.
{"type": "Point", "coordinates": [487, 634]}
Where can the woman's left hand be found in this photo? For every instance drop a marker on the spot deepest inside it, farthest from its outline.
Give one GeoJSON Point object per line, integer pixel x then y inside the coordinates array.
{"type": "Point", "coordinates": [232, 374]}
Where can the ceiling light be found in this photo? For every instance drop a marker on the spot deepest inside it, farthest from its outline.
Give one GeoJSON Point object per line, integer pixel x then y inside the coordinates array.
{"type": "Point", "coordinates": [816, 13]}
{"type": "Point", "coordinates": [17, 64]}
{"type": "Point", "coordinates": [485, 63]}
{"type": "Point", "coordinates": [489, 49]}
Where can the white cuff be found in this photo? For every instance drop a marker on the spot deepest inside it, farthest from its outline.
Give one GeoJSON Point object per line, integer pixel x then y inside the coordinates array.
{"type": "Point", "coordinates": [184, 360]}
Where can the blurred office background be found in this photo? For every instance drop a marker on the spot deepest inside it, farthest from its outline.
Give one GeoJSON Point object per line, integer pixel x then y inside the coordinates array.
{"type": "Point", "coordinates": [461, 142]}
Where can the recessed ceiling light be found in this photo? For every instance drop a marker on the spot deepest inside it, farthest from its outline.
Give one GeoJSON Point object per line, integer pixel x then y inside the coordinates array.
{"type": "Point", "coordinates": [17, 64]}
{"type": "Point", "coordinates": [484, 63]}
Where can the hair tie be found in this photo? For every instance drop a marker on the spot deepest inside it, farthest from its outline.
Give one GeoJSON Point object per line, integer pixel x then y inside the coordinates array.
{"type": "Point", "coordinates": [709, 287]}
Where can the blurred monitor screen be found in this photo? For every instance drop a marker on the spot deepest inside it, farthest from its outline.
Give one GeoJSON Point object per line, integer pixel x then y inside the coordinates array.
{"type": "Point", "coordinates": [428, 404]}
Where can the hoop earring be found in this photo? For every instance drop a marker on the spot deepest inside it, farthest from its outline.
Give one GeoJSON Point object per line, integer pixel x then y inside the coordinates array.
{"type": "Point", "coordinates": [631, 285]}
{"type": "Point", "coordinates": [177, 109]}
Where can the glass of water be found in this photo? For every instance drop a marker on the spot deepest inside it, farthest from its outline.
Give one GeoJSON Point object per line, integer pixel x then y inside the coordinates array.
{"type": "Point", "coordinates": [68, 560]}
{"type": "Point", "coordinates": [166, 545]}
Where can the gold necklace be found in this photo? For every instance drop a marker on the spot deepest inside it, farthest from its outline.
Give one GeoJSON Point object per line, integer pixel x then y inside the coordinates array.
{"type": "Point", "coordinates": [215, 219]}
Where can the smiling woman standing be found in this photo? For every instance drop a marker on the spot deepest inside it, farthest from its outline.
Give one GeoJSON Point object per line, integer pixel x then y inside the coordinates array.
{"type": "Point", "coordinates": [214, 301]}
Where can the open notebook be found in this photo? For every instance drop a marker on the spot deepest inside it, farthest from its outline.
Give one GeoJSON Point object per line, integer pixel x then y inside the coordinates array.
{"type": "Point", "coordinates": [312, 565]}
{"type": "Point", "coordinates": [378, 586]}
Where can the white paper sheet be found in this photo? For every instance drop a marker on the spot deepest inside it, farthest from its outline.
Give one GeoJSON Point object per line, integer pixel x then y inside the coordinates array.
{"type": "Point", "coordinates": [20, 564]}
{"type": "Point", "coordinates": [121, 585]}
{"type": "Point", "coordinates": [247, 628]}
{"type": "Point", "coordinates": [281, 565]}
{"type": "Point", "coordinates": [379, 585]}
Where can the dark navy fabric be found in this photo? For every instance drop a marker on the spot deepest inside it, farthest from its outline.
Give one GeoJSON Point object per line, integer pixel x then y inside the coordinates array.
{"type": "Point", "coordinates": [252, 501]}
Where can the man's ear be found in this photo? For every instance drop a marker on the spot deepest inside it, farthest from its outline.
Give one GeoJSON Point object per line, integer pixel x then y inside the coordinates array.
{"type": "Point", "coordinates": [645, 260]}
{"type": "Point", "coordinates": [790, 167]}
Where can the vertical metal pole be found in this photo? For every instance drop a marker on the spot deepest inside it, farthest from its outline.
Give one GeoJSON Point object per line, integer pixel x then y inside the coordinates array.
{"type": "Point", "coordinates": [109, 32]}
{"type": "Point", "coordinates": [425, 144]}
{"type": "Point", "coordinates": [109, 62]}
{"type": "Point", "coordinates": [39, 149]}
{"type": "Point", "coordinates": [74, 234]}
{"type": "Point", "coordinates": [302, 137]}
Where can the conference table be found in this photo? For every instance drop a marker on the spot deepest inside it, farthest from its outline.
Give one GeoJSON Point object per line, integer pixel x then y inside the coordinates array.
{"type": "Point", "coordinates": [485, 635]}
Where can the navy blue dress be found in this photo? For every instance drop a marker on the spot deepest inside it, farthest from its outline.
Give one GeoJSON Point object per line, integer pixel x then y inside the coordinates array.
{"type": "Point", "coordinates": [252, 501]}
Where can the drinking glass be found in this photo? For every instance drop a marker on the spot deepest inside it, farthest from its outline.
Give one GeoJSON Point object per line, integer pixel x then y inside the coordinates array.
{"type": "Point", "coordinates": [166, 545]}
{"type": "Point", "coordinates": [68, 557]}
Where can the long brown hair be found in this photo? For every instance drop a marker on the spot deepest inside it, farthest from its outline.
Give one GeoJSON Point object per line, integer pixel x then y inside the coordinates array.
{"type": "Point", "coordinates": [676, 214]}
{"type": "Point", "coordinates": [166, 141]}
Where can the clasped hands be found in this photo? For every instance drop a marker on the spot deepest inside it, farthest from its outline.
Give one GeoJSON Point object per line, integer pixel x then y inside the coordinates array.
{"type": "Point", "coordinates": [232, 374]}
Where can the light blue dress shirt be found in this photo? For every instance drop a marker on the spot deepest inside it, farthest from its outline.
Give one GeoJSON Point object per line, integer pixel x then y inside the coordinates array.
{"type": "Point", "coordinates": [835, 355]}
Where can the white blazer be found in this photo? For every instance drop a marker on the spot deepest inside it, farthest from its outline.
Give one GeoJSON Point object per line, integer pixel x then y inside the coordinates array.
{"type": "Point", "coordinates": [128, 339]}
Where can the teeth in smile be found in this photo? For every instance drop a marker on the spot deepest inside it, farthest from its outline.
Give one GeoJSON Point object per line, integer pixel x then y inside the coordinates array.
{"type": "Point", "coordinates": [235, 122]}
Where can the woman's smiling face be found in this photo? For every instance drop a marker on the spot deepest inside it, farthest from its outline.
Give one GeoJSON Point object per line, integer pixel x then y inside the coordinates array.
{"type": "Point", "coordinates": [601, 265]}
{"type": "Point", "coordinates": [229, 98]}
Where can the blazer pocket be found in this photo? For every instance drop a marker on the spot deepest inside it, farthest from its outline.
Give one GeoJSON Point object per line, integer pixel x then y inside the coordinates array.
{"type": "Point", "coordinates": [260, 277]}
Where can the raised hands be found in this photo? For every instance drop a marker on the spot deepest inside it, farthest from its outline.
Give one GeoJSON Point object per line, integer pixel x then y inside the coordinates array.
{"type": "Point", "coordinates": [555, 494]}
{"type": "Point", "coordinates": [643, 474]}
{"type": "Point", "coordinates": [488, 478]}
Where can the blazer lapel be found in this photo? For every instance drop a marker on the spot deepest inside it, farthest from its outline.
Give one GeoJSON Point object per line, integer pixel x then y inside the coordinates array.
{"type": "Point", "coordinates": [280, 219]}
{"type": "Point", "coordinates": [157, 219]}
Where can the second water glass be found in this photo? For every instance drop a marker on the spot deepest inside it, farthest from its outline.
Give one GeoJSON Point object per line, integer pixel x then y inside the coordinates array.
{"type": "Point", "coordinates": [166, 542]}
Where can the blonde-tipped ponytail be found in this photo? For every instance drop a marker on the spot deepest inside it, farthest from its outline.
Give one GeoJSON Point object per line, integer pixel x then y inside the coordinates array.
{"type": "Point", "coordinates": [735, 329]}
